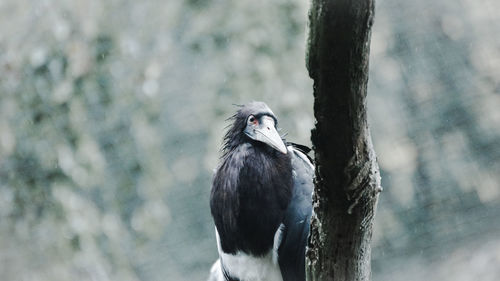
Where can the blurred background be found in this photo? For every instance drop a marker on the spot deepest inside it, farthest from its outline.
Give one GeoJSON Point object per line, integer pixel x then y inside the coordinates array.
{"type": "Point", "coordinates": [112, 114]}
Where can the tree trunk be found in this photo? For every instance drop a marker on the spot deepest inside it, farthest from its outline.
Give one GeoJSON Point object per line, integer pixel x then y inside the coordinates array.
{"type": "Point", "coordinates": [347, 177]}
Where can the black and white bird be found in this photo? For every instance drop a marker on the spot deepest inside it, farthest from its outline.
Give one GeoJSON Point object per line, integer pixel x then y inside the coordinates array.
{"type": "Point", "coordinates": [260, 201]}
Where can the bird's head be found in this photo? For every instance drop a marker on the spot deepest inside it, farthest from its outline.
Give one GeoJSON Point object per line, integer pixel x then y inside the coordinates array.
{"type": "Point", "coordinates": [255, 121]}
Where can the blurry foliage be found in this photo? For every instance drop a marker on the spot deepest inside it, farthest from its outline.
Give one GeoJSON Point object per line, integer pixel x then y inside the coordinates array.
{"type": "Point", "coordinates": [112, 113]}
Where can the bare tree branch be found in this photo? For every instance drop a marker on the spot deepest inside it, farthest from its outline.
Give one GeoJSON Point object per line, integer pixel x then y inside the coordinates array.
{"type": "Point", "coordinates": [347, 175]}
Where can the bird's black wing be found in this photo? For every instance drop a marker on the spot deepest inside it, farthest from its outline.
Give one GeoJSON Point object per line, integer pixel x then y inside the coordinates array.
{"type": "Point", "coordinates": [291, 252]}
{"type": "Point", "coordinates": [301, 148]}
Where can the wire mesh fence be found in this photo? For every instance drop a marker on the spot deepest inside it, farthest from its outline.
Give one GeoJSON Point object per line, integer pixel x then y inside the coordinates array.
{"type": "Point", "coordinates": [112, 114]}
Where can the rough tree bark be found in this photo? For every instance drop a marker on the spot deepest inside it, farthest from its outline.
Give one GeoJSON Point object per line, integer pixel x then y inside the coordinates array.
{"type": "Point", "coordinates": [347, 176]}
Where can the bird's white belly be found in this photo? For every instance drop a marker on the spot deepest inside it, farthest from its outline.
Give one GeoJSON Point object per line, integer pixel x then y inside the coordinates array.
{"type": "Point", "coordinates": [250, 268]}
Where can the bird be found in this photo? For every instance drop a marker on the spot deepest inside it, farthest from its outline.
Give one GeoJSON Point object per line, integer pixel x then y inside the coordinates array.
{"type": "Point", "coordinates": [260, 201]}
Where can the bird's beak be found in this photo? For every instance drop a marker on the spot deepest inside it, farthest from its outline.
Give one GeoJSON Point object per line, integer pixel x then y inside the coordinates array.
{"type": "Point", "coordinates": [267, 134]}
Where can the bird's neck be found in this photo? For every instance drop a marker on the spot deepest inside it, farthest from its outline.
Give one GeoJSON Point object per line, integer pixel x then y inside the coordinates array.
{"type": "Point", "coordinates": [265, 179]}
{"type": "Point", "coordinates": [258, 183]}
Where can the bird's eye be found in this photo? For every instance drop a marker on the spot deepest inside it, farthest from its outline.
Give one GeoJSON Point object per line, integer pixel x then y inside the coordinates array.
{"type": "Point", "coordinates": [251, 119]}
